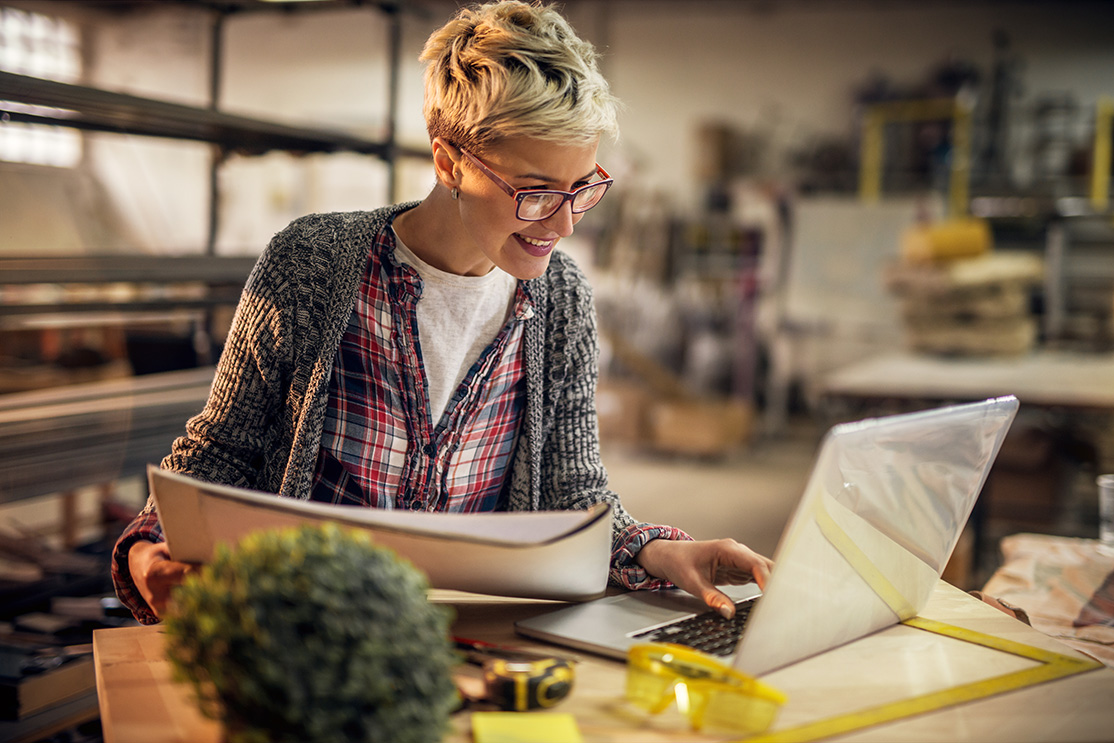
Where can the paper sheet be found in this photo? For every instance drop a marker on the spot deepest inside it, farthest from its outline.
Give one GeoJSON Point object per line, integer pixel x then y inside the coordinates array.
{"type": "Point", "coordinates": [547, 554]}
{"type": "Point", "coordinates": [516, 727]}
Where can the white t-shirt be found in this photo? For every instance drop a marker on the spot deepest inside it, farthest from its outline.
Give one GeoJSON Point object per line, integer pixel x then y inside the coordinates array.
{"type": "Point", "coordinates": [458, 317]}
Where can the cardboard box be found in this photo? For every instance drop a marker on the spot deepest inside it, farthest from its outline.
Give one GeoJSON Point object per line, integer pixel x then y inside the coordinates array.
{"type": "Point", "coordinates": [707, 428]}
{"type": "Point", "coordinates": [621, 408]}
{"type": "Point", "coordinates": [1026, 485]}
{"type": "Point", "coordinates": [961, 570]}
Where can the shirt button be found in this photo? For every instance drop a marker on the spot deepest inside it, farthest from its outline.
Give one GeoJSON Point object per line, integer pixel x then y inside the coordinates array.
{"type": "Point", "coordinates": [430, 449]}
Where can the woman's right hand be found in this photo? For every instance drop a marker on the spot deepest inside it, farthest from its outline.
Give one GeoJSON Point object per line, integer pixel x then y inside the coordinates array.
{"type": "Point", "coordinates": [155, 574]}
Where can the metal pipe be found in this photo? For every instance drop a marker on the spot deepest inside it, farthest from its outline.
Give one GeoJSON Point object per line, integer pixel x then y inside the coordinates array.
{"type": "Point", "coordinates": [394, 45]}
{"type": "Point", "coordinates": [216, 153]}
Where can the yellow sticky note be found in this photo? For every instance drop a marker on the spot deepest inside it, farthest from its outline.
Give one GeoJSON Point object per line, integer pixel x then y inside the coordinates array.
{"type": "Point", "coordinates": [524, 727]}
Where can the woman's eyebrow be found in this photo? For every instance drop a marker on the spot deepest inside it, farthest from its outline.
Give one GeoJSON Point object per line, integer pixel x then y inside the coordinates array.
{"type": "Point", "coordinates": [551, 179]}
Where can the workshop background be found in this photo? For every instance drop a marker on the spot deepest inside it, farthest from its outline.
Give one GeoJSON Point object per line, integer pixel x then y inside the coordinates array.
{"type": "Point", "coordinates": [802, 186]}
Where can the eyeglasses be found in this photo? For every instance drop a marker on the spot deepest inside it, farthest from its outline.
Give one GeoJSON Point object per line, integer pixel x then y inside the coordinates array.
{"type": "Point", "coordinates": [534, 205]}
{"type": "Point", "coordinates": [708, 692]}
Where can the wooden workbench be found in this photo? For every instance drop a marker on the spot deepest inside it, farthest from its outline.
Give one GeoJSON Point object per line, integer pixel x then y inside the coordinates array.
{"type": "Point", "coordinates": [139, 701]}
{"type": "Point", "coordinates": [1042, 378]}
{"type": "Point", "coordinates": [1073, 391]}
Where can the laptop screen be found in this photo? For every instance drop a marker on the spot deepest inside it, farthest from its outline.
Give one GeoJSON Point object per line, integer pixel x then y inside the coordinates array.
{"type": "Point", "coordinates": [881, 514]}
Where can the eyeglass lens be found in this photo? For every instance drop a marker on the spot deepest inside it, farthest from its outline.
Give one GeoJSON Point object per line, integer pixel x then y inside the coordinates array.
{"type": "Point", "coordinates": [535, 207]}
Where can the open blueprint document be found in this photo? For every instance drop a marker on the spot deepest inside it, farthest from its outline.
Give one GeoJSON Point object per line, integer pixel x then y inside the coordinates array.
{"type": "Point", "coordinates": [545, 554]}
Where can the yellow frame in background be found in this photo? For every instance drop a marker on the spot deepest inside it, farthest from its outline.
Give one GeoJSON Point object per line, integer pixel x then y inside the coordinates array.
{"type": "Point", "coordinates": [932, 109]}
{"type": "Point", "coordinates": [1100, 155]}
{"type": "Point", "coordinates": [879, 115]}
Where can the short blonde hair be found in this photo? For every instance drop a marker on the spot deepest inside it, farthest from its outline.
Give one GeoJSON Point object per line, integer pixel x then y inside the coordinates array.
{"type": "Point", "coordinates": [510, 69]}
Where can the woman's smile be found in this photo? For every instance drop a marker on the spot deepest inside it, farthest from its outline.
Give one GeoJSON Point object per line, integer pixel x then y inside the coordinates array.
{"type": "Point", "coordinates": [536, 246]}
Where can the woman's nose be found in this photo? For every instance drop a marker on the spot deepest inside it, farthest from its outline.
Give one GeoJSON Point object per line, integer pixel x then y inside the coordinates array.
{"type": "Point", "coordinates": [563, 220]}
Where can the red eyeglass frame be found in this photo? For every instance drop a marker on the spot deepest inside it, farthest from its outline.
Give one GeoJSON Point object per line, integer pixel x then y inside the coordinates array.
{"type": "Point", "coordinates": [519, 194]}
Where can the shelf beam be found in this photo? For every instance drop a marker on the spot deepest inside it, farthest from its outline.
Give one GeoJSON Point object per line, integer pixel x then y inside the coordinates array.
{"type": "Point", "coordinates": [144, 269]}
{"type": "Point", "coordinates": [35, 100]}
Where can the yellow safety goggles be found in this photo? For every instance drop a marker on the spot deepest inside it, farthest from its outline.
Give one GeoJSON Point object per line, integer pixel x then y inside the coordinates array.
{"type": "Point", "coordinates": [708, 692]}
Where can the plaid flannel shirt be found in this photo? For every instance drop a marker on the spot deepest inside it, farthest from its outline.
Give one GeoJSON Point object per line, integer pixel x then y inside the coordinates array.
{"type": "Point", "coordinates": [380, 447]}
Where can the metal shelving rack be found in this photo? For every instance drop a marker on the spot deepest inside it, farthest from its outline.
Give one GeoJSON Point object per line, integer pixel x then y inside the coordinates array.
{"type": "Point", "coordinates": [38, 101]}
{"type": "Point", "coordinates": [57, 439]}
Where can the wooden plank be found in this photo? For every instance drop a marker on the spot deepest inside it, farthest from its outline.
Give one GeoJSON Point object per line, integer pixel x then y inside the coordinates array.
{"type": "Point", "coordinates": [54, 440]}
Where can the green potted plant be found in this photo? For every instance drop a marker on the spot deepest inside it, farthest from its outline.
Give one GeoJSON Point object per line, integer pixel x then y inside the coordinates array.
{"type": "Point", "coordinates": [314, 634]}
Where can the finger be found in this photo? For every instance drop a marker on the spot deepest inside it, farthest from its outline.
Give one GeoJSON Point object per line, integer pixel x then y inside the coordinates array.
{"type": "Point", "coordinates": [719, 601]}
{"type": "Point", "coordinates": [181, 571]}
{"type": "Point", "coordinates": [727, 575]}
{"type": "Point", "coordinates": [762, 573]}
{"type": "Point", "coordinates": [164, 577]}
{"type": "Point", "coordinates": [743, 565]}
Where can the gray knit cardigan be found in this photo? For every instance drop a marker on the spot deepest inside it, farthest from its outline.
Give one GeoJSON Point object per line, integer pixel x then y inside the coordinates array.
{"type": "Point", "coordinates": [261, 427]}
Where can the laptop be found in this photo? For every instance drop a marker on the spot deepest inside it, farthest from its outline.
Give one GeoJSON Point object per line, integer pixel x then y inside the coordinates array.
{"type": "Point", "coordinates": [883, 509]}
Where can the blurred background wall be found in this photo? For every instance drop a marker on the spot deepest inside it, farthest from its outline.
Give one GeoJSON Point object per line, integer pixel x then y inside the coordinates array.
{"type": "Point", "coordinates": [736, 264]}
{"type": "Point", "coordinates": [787, 79]}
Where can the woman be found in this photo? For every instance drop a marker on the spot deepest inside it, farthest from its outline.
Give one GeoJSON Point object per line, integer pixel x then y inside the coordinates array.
{"type": "Point", "coordinates": [441, 355]}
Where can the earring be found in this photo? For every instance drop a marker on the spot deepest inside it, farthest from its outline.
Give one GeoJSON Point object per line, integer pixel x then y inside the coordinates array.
{"type": "Point", "coordinates": [455, 193]}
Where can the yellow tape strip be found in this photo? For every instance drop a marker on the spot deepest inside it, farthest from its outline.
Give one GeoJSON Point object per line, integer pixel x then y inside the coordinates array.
{"type": "Point", "coordinates": [1054, 666]}
{"type": "Point", "coordinates": [862, 564]}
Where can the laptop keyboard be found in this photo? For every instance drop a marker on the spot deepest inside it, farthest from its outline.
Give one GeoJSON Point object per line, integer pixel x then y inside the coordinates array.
{"type": "Point", "coordinates": [708, 632]}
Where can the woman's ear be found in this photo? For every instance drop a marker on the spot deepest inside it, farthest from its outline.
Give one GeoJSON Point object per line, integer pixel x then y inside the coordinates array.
{"type": "Point", "coordinates": [446, 163]}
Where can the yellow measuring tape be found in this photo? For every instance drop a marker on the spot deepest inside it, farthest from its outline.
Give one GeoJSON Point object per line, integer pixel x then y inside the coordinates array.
{"type": "Point", "coordinates": [859, 561]}
{"type": "Point", "coordinates": [1053, 666]}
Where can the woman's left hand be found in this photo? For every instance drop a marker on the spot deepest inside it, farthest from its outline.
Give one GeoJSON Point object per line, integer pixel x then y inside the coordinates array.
{"type": "Point", "coordinates": [698, 567]}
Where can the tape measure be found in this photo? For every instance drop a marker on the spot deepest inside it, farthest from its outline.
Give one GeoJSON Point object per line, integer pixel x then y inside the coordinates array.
{"type": "Point", "coordinates": [1053, 666]}
{"type": "Point", "coordinates": [517, 680]}
{"type": "Point", "coordinates": [518, 686]}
